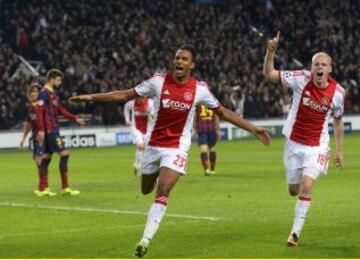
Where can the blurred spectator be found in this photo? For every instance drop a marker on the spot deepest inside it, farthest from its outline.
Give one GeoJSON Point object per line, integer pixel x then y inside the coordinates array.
{"type": "Point", "coordinates": [116, 44]}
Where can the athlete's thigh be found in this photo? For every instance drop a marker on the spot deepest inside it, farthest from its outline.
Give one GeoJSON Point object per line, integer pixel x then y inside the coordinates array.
{"type": "Point", "coordinates": [316, 161]}
{"type": "Point", "coordinates": [174, 159]}
{"type": "Point", "coordinates": [38, 150]}
{"type": "Point", "coordinates": [212, 138]}
{"type": "Point", "coordinates": [293, 162]}
{"type": "Point", "coordinates": [202, 139]}
{"type": "Point", "coordinates": [167, 179]}
{"type": "Point", "coordinates": [150, 163]}
{"type": "Point", "coordinates": [55, 144]}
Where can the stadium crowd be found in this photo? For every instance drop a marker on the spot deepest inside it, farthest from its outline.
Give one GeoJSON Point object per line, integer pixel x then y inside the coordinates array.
{"type": "Point", "coordinates": [116, 44]}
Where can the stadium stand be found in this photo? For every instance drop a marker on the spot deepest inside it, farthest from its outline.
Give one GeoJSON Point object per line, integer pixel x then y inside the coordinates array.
{"type": "Point", "coordinates": [115, 44]}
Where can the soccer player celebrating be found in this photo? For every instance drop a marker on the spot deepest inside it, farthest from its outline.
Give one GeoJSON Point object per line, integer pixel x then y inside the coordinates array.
{"type": "Point", "coordinates": [175, 96]}
{"type": "Point", "coordinates": [31, 124]}
{"type": "Point", "coordinates": [206, 125]}
{"type": "Point", "coordinates": [49, 133]}
{"type": "Point", "coordinates": [140, 110]}
{"type": "Point", "coordinates": [315, 96]}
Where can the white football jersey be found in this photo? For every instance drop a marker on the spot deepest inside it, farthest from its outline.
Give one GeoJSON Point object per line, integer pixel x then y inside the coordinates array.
{"type": "Point", "coordinates": [137, 112]}
{"type": "Point", "coordinates": [311, 108]}
{"type": "Point", "coordinates": [174, 109]}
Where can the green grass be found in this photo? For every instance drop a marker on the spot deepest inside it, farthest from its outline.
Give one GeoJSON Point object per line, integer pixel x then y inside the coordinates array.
{"type": "Point", "coordinates": [249, 196]}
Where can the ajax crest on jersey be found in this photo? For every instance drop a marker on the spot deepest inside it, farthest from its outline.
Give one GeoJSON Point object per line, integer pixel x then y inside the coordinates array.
{"type": "Point", "coordinates": [188, 96]}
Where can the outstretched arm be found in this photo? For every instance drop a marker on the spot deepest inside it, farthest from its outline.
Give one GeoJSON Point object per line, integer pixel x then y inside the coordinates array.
{"type": "Point", "coordinates": [339, 137]}
{"type": "Point", "coordinates": [268, 68]}
{"type": "Point", "coordinates": [231, 117]}
{"type": "Point", "coordinates": [115, 96]}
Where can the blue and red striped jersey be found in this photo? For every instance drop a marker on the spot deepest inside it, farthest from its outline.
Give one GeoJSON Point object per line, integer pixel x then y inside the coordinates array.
{"type": "Point", "coordinates": [32, 118]}
{"type": "Point", "coordinates": [206, 121]}
{"type": "Point", "coordinates": [49, 108]}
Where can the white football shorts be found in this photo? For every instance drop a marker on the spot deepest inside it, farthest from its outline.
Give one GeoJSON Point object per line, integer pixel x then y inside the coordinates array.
{"type": "Point", "coordinates": [299, 159]}
{"type": "Point", "coordinates": [156, 157]}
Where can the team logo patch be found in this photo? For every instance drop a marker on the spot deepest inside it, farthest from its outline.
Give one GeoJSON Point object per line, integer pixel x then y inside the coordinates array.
{"type": "Point", "coordinates": [287, 74]}
{"type": "Point", "coordinates": [325, 101]}
{"type": "Point", "coordinates": [142, 84]}
{"type": "Point", "coordinates": [188, 96]}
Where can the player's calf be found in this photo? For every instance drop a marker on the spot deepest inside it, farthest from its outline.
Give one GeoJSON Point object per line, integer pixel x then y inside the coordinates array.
{"type": "Point", "coordinates": [148, 182]}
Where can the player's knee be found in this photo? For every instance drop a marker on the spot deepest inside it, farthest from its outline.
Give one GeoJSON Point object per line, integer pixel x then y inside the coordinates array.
{"type": "Point", "coordinates": [306, 188]}
{"type": "Point", "coordinates": [64, 153]}
{"type": "Point", "coordinates": [294, 190]}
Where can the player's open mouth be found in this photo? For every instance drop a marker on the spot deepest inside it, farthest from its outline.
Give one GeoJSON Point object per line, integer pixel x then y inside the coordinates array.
{"type": "Point", "coordinates": [179, 69]}
{"type": "Point", "coordinates": [320, 74]}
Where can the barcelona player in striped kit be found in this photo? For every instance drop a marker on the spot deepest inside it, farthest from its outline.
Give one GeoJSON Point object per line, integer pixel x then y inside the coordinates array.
{"type": "Point", "coordinates": [30, 124]}
{"type": "Point", "coordinates": [49, 108]}
{"type": "Point", "coordinates": [206, 125]}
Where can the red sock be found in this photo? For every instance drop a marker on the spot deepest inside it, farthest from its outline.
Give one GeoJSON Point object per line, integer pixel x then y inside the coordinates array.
{"type": "Point", "coordinates": [204, 160]}
{"type": "Point", "coordinates": [63, 171]}
{"type": "Point", "coordinates": [212, 160]}
{"type": "Point", "coordinates": [43, 174]}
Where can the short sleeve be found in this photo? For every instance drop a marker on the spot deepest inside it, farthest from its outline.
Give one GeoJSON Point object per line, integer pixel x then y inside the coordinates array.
{"type": "Point", "coordinates": [206, 97]}
{"type": "Point", "coordinates": [146, 88]}
{"type": "Point", "coordinates": [43, 98]}
{"type": "Point", "coordinates": [294, 79]}
{"type": "Point", "coordinates": [338, 102]}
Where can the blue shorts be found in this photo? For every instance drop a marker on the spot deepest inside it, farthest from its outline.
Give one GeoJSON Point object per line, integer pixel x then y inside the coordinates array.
{"type": "Point", "coordinates": [53, 143]}
{"type": "Point", "coordinates": [207, 139]}
{"type": "Point", "coordinates": [36, 149]}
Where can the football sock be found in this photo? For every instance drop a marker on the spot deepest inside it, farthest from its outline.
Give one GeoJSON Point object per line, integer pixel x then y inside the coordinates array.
{"type": "Point", "coordinates": [63, 171]}
{"type": "Point", "coordinates": [301, 209]}
{"type": "Point", "coordinates": [204, 160]}
{"type": "Point", "coordinates": [212, 160]}
{"type": "Point", "coordinates": [43, 174]}
{"type": "Point", "coordinates": [156, 213]}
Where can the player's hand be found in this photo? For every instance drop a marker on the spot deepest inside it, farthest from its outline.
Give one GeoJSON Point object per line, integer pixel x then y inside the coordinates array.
{"type": "Point", "coordinates": [41, 137]}
{"type": "Point", "coordinates": [339, 160]}
{"type": "Point", "coordinates": [81, 98]}
{"type": "Point", "coordinates": [263, 135]}
{"type": "Point", "coordinates": [128, 123]}
{"type": "Point", "coordinates": [21, 143]}
{"type": "Point", "coordinates": [80, 121]}
{"type": "Point", "coordinates": [273, 43]}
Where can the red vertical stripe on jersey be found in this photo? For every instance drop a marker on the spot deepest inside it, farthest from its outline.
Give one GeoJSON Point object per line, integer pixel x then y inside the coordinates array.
{"type": "Point", "coordinates": [310, 118]}
{"type": "Point", "coordinates": [176, 101]}
{"type": "Point", "coordinates": [141, 110]}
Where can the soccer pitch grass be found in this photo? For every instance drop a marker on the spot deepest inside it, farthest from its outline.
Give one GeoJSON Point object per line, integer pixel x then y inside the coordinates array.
{"type": "Point", "coordinates": [242, 212]}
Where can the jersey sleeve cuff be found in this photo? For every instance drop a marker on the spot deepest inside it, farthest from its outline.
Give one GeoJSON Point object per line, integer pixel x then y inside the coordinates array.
{"type": "Point", "coordinates": [135, 92]}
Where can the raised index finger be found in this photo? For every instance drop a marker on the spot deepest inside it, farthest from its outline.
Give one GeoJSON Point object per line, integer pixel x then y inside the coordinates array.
{"type": "Point", "coordinates": [278, 35]}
